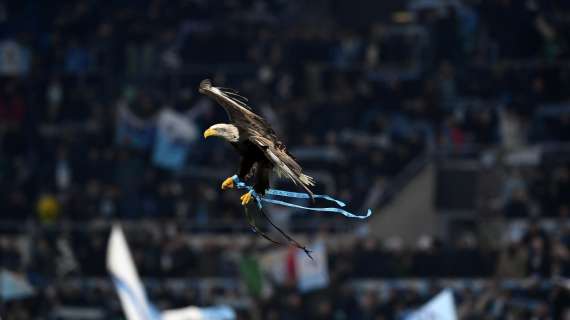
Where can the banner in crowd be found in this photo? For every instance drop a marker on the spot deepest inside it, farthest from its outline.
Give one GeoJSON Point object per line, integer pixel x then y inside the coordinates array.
{"type": "Point", "coordinates": [14, 286]}
{"type": "Point", "coordinates": [130, 289]}
{"type": "Point", "coordinates": [274, 265]}
{"type": "Point", "coordinates": [174, 135]}
{"type": "Point", "coordinates": [312, 274]}
{"type": "Point", "coordinates": [441, 307]}
{"type": "Point", "coordinates": [14, 58]}
{"type": "Point", "coordinates": [293, 264]}
{"type": "Point", "coordinates": [132, 131]}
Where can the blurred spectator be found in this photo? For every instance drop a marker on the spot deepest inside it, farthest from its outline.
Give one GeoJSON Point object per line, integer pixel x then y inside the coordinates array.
{"type": "Point", "coordinates": [15, 58]}
{"type": "Point", "coordinates": [12, 105]}
{"type": "Point", "coordinates": [357, 99]}
{"type": "Point", "coordinates": [512, 262]}
{"type": "Point", "coordinates": [48, 208]}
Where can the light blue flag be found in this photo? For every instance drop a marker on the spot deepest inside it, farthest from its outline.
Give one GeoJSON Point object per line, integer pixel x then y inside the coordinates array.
{"type": "Point", "coordinates": [14, 286]}
{"type": "Point", "coordinates": [174, 136]}
{"type": "Point", "coordinates": [133, 132]}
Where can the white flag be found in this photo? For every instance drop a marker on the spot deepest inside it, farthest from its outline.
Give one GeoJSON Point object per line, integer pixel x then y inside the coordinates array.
{"type": "Point", "coordinates": [134, 301]}
{"type": "Point", "coordinates": [441, 307]}
{"type": "Point", "coordinates": [126, 279]}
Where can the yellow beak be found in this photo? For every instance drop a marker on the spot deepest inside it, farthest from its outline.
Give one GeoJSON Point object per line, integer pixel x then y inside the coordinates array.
{"type": "Point", "coordinates": [209, 132]}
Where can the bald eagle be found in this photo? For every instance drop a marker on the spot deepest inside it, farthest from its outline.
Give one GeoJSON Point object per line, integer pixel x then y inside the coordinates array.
{"type": "Point", "coordinates": [261, 150]}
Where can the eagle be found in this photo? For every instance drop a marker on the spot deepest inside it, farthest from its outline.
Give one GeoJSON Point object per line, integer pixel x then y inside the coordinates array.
{"type": "Point", "coordinates": [261, 151]}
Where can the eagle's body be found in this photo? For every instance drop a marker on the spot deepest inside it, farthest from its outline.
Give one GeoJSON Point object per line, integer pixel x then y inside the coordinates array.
{"type": "Point", "coordinates": [261, 150]}
{"type": "Point", "coordinates": [253, 159]}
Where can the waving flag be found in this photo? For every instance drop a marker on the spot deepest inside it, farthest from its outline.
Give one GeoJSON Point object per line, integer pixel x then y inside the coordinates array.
{"type": "Point", "coordinates": [132, 131]}
{"type": "Point", "coordinates": [174, 135]}
{"type": "Point", "coordinates": [195, 313]}
{"type": "Point", "coordinates": [134, 300]}
{"type": "Point", "coordinates": [14, 286]}
{"type": "Point", "coordinates": [282, 265]}
{"type": "Point", "coordinates": [442, 307]}
{"type": "Point", "coordinates": [126, 279]}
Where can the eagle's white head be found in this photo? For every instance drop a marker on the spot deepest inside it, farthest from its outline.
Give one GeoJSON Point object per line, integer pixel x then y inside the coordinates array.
{"type": "Point", "coordinates": [223, 130]}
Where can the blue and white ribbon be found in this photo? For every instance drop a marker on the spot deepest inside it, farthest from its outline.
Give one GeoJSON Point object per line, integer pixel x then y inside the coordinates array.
{"type": "Point", "coordinates": [289, 194]}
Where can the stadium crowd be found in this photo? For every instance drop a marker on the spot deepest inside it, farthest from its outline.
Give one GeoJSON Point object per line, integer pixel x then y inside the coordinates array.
{"type": "Point", "coordinates": [54, 260]}
{"type": "Point", "coordinates": [356, 99]}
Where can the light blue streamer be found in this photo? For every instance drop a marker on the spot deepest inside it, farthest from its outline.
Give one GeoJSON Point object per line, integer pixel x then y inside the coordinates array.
{"type": "Point", "coordinates": [289, 194]}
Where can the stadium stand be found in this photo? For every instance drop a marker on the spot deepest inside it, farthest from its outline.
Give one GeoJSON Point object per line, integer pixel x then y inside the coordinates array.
{"type": "Point", "coordinates": [358, 93]}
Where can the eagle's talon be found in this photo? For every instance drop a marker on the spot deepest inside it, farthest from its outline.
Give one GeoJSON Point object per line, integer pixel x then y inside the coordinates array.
{"type": "Point", "coordinates": [228, 183]}
{"type": "Point", "coordinates": [246, 198]}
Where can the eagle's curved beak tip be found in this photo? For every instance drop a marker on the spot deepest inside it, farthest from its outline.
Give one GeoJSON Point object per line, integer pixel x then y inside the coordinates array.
{"type": "Point", "coordinates": [209, 132]}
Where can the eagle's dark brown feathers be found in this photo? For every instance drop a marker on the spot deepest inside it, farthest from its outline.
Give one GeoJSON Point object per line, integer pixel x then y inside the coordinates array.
{"type": "Point", "coordinates": [254, 129]}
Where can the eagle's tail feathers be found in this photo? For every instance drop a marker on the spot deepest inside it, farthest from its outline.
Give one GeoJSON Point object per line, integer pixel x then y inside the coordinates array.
{"type": "Point", "coordinates": [309, 192]}
{"type": "Point", "coordinates": [302, 180]}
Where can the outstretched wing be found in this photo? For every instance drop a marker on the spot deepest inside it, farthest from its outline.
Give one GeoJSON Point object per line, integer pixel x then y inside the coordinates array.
{"type": "Point", "coordinates": [234, 104]}
{"type": "Point", "coordinates": [285, 164]}
{"type": "Point", "coordinates": [254, 128]}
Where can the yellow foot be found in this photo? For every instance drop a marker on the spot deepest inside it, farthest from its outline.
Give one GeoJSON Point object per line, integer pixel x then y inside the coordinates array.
{"type": "Point", "coordinates": [228, 183]}
{"type": "Point", "coordinates": [246, 198]}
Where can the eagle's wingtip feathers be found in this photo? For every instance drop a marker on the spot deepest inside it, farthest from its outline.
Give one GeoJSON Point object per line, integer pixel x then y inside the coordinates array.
{"type": "Point", "coordinates": [206, 84]}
